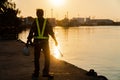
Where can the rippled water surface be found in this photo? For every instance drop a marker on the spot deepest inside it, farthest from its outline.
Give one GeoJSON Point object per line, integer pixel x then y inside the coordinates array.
{"type": "Point", "coordinates": [96, 47]}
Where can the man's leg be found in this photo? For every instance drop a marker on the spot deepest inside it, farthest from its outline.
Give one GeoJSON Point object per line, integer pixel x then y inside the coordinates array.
{"type": "Point", "coordinates": [47, 63]}
{"type": "Point", "coordinates": [36, 60]}
{"type": "Point", "coordinates": [47, 59]}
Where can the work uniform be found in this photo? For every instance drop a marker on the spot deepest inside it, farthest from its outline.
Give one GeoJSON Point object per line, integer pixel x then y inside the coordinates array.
{"type": "Point", "coordinates": [41, 43]}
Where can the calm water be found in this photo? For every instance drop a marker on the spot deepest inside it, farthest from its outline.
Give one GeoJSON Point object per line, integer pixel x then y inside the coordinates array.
{"type": "Point", "coordinates": [96, 47]}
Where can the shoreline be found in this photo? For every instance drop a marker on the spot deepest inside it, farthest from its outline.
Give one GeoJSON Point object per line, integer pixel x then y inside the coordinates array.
{"type": "Point", "coordinates": [15, 66]}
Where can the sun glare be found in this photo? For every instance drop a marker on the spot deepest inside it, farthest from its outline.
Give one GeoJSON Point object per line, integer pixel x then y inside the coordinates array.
{"type": "Point", "coordinates": [57, 2]}
{"type": "Point", "coordinates": [57, 53]}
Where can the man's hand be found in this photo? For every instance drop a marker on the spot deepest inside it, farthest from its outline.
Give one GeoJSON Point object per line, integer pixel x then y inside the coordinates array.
{"type": "Point", "coordinates": [27, 45]}
{"type": "Point", "coordinates": [56, 43]}
{"type": "Point", "coordinates": [29, 42]}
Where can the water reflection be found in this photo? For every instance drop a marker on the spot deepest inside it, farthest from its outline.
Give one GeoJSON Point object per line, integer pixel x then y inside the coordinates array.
{"type": "Point", "coordinates": [89, 47]}
{"type": "Point", "coordinates": [23, 35]}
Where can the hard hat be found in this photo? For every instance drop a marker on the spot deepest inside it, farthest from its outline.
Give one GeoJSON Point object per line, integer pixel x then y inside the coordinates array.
{"type": "Point", "coordinates": [26, 51]}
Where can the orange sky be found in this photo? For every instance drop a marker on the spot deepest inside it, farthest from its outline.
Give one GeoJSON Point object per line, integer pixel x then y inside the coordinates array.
{"type": "Point", "coordinates": [82, 8]}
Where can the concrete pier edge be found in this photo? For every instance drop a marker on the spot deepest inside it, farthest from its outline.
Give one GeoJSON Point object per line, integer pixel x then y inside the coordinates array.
{"type": "Point", "coordinates": [15, 66]}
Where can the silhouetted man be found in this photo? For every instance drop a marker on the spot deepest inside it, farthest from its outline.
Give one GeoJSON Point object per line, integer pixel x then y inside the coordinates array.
{"type": "Point", "coordinates": [40, 31]}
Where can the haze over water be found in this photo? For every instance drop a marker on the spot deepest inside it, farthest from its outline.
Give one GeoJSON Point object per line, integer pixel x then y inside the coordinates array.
{"type": "Point", "coordinates": [87, 47]}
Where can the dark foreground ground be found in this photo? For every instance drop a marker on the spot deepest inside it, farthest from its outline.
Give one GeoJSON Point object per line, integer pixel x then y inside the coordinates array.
{"type": "Point", "coordinates": [15, 66]}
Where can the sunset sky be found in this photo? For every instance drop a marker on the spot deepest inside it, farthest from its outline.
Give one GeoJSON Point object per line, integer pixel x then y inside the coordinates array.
{"type": "Point", "coordinates": [75, 8]}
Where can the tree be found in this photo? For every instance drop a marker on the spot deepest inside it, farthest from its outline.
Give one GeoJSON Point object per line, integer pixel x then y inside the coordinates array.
{"type": "Point", "coordinates": [8, 17]}
{"type": "Point", "coordinates": [8, 11]}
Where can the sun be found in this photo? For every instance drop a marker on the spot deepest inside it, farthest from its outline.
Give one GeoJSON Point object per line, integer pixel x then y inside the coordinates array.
{"type": "Point", "coordinates": [57, 2]}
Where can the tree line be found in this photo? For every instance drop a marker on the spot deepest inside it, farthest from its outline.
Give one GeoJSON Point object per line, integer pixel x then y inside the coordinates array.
{"type": "Point", "coordinates": [9, 22]}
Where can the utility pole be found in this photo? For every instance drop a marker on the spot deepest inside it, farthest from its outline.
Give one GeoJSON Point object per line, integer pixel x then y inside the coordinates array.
{"type": "Point", "coordinates": [51, 13]}
{"type": "Point", "coordinates": [45, 14]}
{"type": "Point", "coordinates": [67, 15]}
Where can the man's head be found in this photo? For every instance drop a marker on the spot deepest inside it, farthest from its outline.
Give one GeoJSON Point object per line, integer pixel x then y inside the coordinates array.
{"type": "Point", "coordinates": [39, 12]}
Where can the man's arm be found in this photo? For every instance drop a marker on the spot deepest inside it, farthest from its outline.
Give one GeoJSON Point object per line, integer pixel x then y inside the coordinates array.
{"type": "Point", "coordinates": [51, 32]}
{"type": "Point", "coordinates": [53, 36]}
{"type": "Point", "coordinates": [30, 36]}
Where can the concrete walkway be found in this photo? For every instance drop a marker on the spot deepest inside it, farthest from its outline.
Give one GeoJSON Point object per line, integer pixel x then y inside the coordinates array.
{"type": "Point", "coordinates": [15, 66]}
